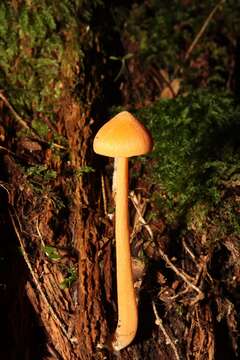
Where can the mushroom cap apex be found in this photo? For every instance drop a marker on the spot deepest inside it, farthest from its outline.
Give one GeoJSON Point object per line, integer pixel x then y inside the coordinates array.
{"type": "Point", "coordinates": [123, 136]}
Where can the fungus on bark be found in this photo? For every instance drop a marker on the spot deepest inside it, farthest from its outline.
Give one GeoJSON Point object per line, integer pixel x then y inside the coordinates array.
{"type": "Point", "coordinates": [122, 137]}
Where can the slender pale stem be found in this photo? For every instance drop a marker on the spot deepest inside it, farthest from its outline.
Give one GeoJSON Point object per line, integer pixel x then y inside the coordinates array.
{"type": "Point", "coordinates": [127, 307]}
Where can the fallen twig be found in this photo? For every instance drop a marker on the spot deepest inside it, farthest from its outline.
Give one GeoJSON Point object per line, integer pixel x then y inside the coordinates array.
{"type": "Point", "coordinates": [181, 274]}
{"type": "Point", "coordinates": [203, 29]}
{"type": "Point", "coordinates": [199, 35]}
{"type": "Point", "coordinates": [135, 202]}
{"type": "Point", "coordinates": [159, 322]}
{"type": "Point", "coordinates": [5, 188]}
{"type": "Point", "coordinates": [189, 251]}
{"type": "Point", "coordinates": [23, 122]}
{"type": "Point", "coordinates": [15, 114]}
{"type": "Point", "coordinates": [104, 195]}
{"type": "Point", "coordinates": [40, 235]}
{"type": "Point", "coordinates": [7, 150]}
{"type": "Point", "coordinates": [35, 279]}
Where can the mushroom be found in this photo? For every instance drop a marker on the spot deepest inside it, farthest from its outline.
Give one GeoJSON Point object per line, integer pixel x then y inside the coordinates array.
{"type": "Point", "coordinates": [122, 137]}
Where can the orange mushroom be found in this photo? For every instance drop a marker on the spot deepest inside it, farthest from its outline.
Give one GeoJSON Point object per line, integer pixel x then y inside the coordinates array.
{"type": "Point", "coordinates": [122, 137]}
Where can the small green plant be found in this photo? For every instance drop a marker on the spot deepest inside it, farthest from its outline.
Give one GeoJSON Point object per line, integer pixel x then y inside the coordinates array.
{"type": "Point", "coordinates": [84, 170]}
{"type": "Point", "coordinates": [179, 310]}
{"type": "Point", "coordinates": [41, 172]}
{"type": "Point", "coordinates": [51, 252]}
{"type": "Point", "coordinates": [70, 278]}
{"type": "Point", "coordinates": [123, 61]}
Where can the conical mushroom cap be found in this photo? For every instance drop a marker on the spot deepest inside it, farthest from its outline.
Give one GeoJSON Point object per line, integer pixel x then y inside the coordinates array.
{"type": "Point", "coordinates": [123, 136]}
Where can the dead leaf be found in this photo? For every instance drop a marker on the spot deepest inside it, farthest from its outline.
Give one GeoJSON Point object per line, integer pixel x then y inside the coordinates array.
{"type": "Point", "coordinates": [171, 90]}
{"type": "Point", "coordinates": [138, 268]}
{"type": "Point", "coordinates": [164, 74]}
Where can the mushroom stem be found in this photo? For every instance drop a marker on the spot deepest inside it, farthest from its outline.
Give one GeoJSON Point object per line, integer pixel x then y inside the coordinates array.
{"type": "Point", "coordinates": [127, 307]}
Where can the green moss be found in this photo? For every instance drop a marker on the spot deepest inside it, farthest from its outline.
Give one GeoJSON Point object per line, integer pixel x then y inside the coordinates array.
{"type": "Point", "coordinates": [40, 127]}
{"type": "Point", "coordinates": [196, 152]}
{"type": "Point", "coordinates": [40, 53]}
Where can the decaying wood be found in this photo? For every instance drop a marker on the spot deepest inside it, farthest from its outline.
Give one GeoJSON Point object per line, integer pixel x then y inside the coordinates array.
{"type": "Point", "coordinates": [73, 318]}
